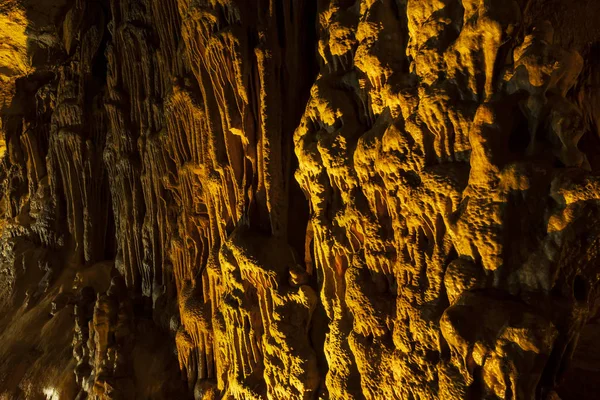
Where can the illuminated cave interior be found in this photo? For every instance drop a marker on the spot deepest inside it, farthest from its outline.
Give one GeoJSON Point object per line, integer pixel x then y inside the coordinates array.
{"type": "Point", "coordinates": [299, 199]}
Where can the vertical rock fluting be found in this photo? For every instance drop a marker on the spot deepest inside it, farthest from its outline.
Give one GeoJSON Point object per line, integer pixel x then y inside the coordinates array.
{"type": "Point", "coordinates": [308, 199]}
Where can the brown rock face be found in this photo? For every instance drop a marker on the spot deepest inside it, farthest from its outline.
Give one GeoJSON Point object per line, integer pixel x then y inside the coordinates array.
{"type": "Point", "coordinates": [299, 199]}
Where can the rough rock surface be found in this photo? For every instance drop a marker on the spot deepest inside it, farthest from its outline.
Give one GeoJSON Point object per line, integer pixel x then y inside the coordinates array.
{"type": "Point", "coordinates": [299, 199]}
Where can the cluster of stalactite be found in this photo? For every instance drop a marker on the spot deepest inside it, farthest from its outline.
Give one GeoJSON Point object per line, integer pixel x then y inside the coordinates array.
{"type": "Point", "coordinates": [333, 199]}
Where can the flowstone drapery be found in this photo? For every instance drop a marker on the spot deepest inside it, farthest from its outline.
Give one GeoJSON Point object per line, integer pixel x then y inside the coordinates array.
{"type": "Point", "coordinates": [307, 199]}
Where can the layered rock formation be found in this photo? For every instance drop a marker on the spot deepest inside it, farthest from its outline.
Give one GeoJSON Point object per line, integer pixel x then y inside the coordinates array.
{"type": "Point", "coordinates": [299, 199]}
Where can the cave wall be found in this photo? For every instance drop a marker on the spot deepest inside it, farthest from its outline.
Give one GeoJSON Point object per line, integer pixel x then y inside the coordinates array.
{"type": "Point", "coordinates": [299, 199]}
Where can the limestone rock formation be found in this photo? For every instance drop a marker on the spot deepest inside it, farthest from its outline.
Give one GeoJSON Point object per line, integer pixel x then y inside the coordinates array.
{"type": "Point", "coordinates": [299, 199]}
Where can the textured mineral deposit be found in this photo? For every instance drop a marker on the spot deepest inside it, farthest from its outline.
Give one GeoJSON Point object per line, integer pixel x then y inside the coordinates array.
{"type": "Point", "coordinates": [300, 199]}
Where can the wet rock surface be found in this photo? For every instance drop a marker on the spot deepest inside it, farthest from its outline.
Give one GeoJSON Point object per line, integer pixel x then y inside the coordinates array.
{"type": "Point", "coordinates": [307, 199]}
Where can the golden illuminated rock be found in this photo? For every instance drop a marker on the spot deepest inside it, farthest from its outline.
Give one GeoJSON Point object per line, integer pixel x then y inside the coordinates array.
{"type": "Point", "coordinates": [299, 199]}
